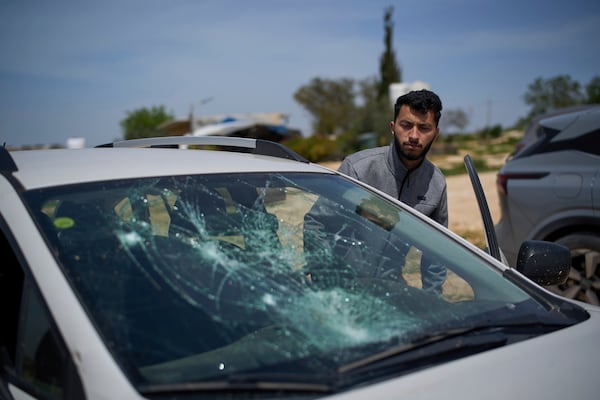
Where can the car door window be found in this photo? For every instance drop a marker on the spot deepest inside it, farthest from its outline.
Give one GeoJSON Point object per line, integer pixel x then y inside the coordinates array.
{"type": "Point", "coordinates": [40, 360]}
{"type": "Point", "coordinates": [34, 358]}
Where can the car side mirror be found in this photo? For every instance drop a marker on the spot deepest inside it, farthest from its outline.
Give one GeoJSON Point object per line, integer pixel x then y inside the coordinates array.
{"type": "Point", "coordinates": [545, 263]}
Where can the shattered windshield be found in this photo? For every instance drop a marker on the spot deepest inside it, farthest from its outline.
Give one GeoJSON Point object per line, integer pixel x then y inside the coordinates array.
{"type": "Point", "coordinates": [197, 278]}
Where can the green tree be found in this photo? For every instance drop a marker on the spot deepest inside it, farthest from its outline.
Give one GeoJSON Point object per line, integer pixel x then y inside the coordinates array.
{"type": "Point", "coordinates": [338, 110]}
{"type": "Point", "coordinates": [375, 113]}
{"type": "Point", "coordinates": [331, 102]}
{"type": "Point", "coordinates": [592, 90]}
{"type": "Point", "coordinates": [144, 122]}
{"type": "Point", "coordinates": [388, 67]}
{"type": "Point", "coordinates": [547, 94]}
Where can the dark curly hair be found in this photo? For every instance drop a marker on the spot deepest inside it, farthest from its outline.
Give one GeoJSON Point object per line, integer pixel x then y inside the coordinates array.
{"type": "Point", "coordinates": [421, 101]}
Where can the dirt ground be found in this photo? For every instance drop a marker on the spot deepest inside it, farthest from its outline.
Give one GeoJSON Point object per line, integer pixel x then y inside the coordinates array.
{"type": "Point", "coordinates": [463, 211]}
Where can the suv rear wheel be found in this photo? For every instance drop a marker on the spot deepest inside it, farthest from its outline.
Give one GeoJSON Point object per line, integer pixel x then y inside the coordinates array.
{"type": "Point", "coordinates": [583, 283]}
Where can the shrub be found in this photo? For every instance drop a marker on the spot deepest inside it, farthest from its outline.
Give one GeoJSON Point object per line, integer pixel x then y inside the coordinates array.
{"type": "Point", "coordinates": [314, 148]}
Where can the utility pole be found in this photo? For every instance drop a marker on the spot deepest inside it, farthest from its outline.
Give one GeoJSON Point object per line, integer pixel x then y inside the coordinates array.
{"type": "Point", "coordinates": [201, 103]}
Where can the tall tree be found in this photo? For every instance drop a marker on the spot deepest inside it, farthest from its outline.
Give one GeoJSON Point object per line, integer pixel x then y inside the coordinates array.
{"type": "Point", "coordinates": [330, 102]}
{"type": "Point", "coordinates": [547, 94]}
{"type": "Point", "coordinates": [144, 122]}
{"type": "Point", "coordinates": [375, 113]}
{"type": "Point", "coordinates": [592, 90]}
{"type": "Point", "coordinates": [388, 67]}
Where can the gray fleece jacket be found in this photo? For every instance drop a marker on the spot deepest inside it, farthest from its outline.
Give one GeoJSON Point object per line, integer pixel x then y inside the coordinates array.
{"type": "Point", "coordinates": [423, 188]}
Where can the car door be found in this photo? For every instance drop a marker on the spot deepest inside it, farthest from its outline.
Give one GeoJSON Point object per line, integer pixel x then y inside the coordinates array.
{"type": "Point", "coordinates": [543, 262]}
{"type": "Point", "coordinates": [493, 248]}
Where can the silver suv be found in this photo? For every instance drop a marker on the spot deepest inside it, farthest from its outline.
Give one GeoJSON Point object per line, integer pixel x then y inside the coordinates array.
{"type": "Point", "coordinates": [550, 190]}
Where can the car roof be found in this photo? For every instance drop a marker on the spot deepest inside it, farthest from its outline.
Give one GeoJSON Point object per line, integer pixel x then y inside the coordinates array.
{"type": "Point", "coordinates": [44, 168]}
{"type": "Point", "coordinates": [574, 123]}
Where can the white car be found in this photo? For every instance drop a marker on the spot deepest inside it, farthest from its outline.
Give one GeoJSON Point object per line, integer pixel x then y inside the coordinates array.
{"type": "Point", "coordinates": [159, 273]}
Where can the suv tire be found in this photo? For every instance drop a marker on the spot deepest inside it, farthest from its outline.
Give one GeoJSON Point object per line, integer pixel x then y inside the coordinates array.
{"type": "Point", "coordinates": [583, 283]}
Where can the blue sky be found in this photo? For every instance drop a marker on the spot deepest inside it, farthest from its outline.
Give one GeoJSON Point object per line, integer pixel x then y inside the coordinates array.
{"type": "Point", "coordinates": [75, 68]}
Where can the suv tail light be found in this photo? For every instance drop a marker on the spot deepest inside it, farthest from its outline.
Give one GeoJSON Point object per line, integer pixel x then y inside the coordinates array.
{"type": "Point", "coordinates": [503, 178]}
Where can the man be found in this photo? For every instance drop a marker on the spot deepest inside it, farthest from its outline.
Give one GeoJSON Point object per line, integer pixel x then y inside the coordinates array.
{"type": "Point", "coordinates": [402, 169]}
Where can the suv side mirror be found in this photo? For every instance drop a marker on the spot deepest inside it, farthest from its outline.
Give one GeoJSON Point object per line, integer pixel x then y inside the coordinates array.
{"type": "Point", "coordinates": [545, 263]}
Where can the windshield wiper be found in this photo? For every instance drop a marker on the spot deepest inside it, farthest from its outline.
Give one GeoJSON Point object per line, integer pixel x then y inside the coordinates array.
{"type": "Point", "coordinates": [244, 382]}
{"type": "Point", "coordinates": [438, 346]}
{"type": "Point", "coordinates": [433, 348]}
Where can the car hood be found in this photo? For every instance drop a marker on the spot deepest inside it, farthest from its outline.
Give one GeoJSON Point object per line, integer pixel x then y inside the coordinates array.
{"type": "Point", "coordinates": [558, 365]}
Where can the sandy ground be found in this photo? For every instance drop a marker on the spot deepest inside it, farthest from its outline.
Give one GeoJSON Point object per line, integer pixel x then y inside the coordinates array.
{"type": "Point", "coordinates": [463, 211]}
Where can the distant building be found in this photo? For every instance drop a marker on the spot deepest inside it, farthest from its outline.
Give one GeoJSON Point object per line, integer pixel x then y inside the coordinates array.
{"type": "Point", "coordinates": [75, 143]}
{"type": "Point", "coordinates": [268, 126]}
{"type": "Point", "coordinates": [398, 89]}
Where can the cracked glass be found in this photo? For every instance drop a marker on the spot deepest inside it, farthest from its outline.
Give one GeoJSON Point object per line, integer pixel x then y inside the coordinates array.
{"type": "Point", "coordinates": [196, 278]}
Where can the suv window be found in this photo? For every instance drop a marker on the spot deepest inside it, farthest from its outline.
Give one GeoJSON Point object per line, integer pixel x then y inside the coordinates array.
{"type": "Point", "coordinates": [587, 143]}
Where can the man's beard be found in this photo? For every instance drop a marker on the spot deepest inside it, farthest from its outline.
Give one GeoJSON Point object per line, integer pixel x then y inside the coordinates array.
{"type": "Point", "coordinates": [412, 156]}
